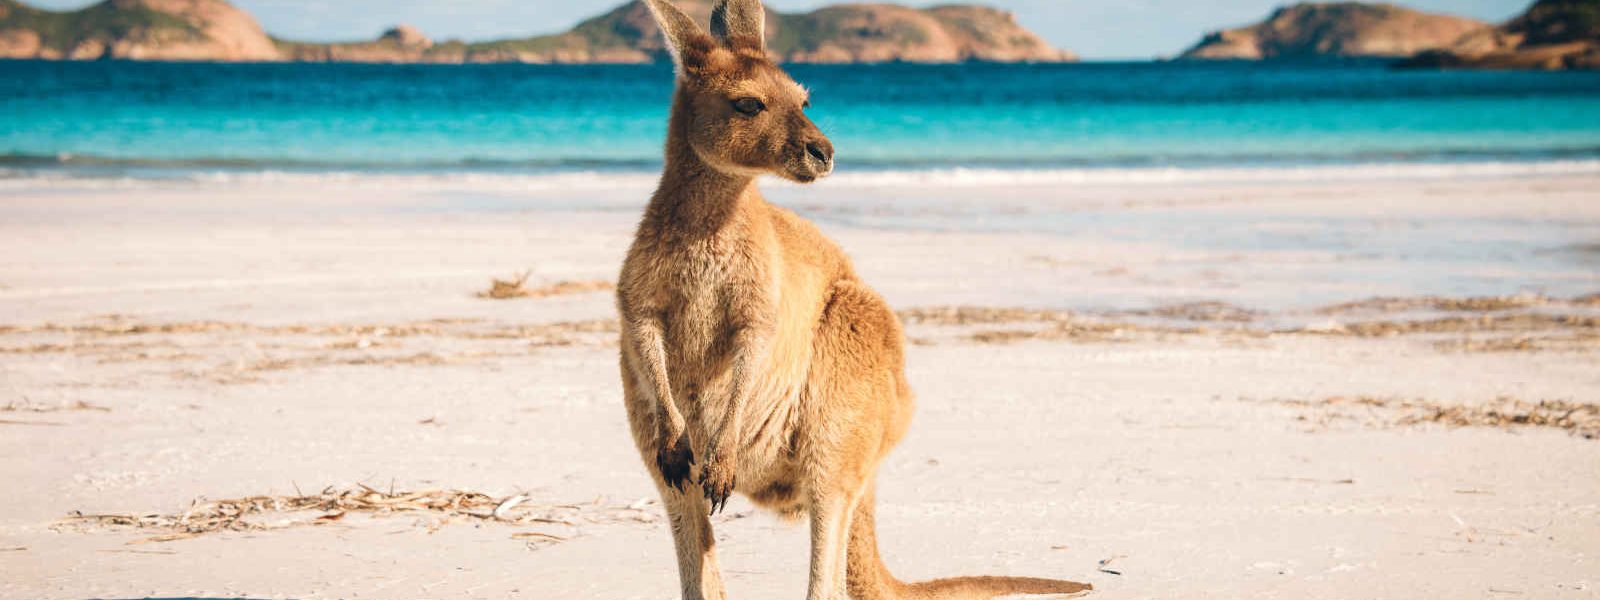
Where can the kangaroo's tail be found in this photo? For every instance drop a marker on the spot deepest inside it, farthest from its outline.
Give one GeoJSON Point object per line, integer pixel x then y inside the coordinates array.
{"type": "Point", "coordinates": [868, 578]}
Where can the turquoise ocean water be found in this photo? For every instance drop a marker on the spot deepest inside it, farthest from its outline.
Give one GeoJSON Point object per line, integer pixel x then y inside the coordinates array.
{"type": "Point", "coordinates": [924, 148]}
{"type": "Point", "coordinates": [171, 120]}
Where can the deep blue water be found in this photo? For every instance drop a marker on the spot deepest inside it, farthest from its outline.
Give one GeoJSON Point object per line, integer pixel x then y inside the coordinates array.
{"type": "Point", "coordinates": [159, 117]}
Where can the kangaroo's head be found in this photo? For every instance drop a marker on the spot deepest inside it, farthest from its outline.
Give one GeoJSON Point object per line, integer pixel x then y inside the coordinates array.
{"type": "Point", "coordinates": [738, 111]}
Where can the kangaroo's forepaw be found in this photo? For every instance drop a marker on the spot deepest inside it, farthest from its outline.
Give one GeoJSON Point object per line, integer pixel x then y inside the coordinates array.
{"type": "Point", "coordinates": [674, 460]}
{"type": "Point", "coordinates": [716, 479]}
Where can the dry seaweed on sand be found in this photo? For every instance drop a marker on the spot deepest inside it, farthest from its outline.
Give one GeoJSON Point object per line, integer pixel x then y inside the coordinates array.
{"type": "Point", "coordinates": [207, 516]}
{"type": "Point", "coordinates": [516, 287]}
{"type": "Point", "coordinates": [38, 423]}
{"type": "Point", "coordinates": [1444, 304]}
{"type": "Point", "coordinates": [1074, 332]}
{"type": "Point", "coordinates": [1519, 322]}
{"type": "Point", "coordinates": [981, 315]}
{"type": "Point", "coordinates": [124, 327]}
{"type": "Point", "coordinates": [262, 513]}
{"type": "Point", "coordinates": [30, 407]}
{"type": "Point", "coordinates": [506, 289]}
{"type": "Point", "coordinates": [1201, 312]}
{"type": "Point", "coordinates": [563, 288]}
{"type": "Point", "coordinates": [352, 334]}
{"type": "Point", "coordinates": [1054, 325]}
{"type": "Point", "coordinates": [1579, 418]}
{"type": "Point", "coordinates": [1577, 342]}
{"type": "Point", "coordinates": [1480, 304]}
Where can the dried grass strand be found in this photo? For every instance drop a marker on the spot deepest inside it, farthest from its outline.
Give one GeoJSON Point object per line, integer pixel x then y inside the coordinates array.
{"type": "Point", "coordinates": [334, 505]}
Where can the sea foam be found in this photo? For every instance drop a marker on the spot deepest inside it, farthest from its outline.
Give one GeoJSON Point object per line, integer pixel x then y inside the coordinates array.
{"type": "Point", "coordinates": [23, 178]}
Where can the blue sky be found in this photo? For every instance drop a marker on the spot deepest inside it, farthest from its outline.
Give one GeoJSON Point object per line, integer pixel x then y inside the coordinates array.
{"type": "Point", "coordinates": [1096, 29]}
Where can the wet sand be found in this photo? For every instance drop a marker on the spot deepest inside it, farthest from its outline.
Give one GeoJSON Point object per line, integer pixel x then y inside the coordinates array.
{"type": "Point", "coordinates": [1307, 390]}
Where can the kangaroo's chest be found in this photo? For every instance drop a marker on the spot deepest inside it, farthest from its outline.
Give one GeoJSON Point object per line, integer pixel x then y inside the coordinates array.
{"type": "Point", "coordinates": [707, 284]}
{"type": "Point", "coordinates": [710, 292]}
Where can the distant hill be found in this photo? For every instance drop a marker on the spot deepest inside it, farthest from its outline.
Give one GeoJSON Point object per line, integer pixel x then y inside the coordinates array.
{"type": "Point", "coordinates": [135, 30]}
{"type": "Point", "coordinates": [1551, 34]}
{"type": "Point", "coordinates": [401, 44]}
{"type": "Point", "coordinates": [215, 30]}
{"type": "Point", "coordinates": [1342, 29]}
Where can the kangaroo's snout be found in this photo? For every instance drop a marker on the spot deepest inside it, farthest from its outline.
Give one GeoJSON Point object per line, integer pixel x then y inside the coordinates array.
{"type": "Point", "coordinates": [821, 151]}
{"type": "Point", "coordinates": [816, 163]}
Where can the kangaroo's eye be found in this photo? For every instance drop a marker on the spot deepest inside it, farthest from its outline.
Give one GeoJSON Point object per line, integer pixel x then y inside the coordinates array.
{"type": "Point", "coordinates": [749, 107]}
{"type": "Point", "coordinates": [806, 104]}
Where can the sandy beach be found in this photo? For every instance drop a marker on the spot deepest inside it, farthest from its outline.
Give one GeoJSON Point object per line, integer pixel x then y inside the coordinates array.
{"type": "Point", "coordinates": [1347, 387]}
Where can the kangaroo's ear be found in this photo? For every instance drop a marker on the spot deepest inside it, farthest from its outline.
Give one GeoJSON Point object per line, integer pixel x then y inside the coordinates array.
{"type": "Point", "coordinates": [744, 19]}
{"type": "Point", "coordinates": [687, 42]}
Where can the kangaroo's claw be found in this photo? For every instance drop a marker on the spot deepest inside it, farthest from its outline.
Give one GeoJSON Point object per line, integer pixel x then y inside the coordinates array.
{"type": "Point", "coordinates": [716, 480]}
{"type": "Point", "coordinates": [674, 460]}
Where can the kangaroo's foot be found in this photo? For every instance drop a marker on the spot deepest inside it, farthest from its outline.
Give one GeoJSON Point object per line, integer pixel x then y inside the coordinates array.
{"type": "Point", "coordinates": [717, 478]}
{"type": "Point", "coordinates": [674, 459]}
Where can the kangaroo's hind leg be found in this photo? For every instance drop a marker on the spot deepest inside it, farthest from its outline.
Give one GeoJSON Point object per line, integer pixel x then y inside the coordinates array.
{"type": "Point", "coordinates": [854, 410]}
{"type": "Point", "coordinates": [830, 528]}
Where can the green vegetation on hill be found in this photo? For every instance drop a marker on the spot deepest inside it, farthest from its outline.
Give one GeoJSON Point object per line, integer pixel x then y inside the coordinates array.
{"type": "Point", "coordinates": [61, 31]}
{"type": "Point", "coordinates": [1342, 29]}
{"type": "Point", "coordinates": [807, 34]}
{"type": "Point", "coordinates": [216, 30]}
{"type": "Point", "coordinates": [844, 32]}
{"type": "Point", "coordinates": [610, 29]}
{"type": "Point", "coordinates": [1559, 22]}
{"type": "Point", "coordinates": [535, 45]}
{"type": "Point", "coordinates": [1551, 34]}
{"type": "Point", "coordinates": [810, 31]}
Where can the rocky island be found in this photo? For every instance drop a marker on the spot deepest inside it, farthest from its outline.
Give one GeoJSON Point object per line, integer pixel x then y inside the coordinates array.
{"type": "Point", "coordinates": [214, 30]}
{"type": "Point", "coordinates": [1342, 29]}
{"type": "Point", "coordinates": [134, 30]}
{"type": "Point", "coordinates": [1551, 34]}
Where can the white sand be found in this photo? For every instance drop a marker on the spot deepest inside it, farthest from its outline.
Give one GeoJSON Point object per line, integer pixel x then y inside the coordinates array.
{"type": "Point", "coordinates": [1041, 457]}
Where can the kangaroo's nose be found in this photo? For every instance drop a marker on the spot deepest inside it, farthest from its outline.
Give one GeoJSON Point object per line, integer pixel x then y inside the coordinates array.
{"type": "Point", "coordinates": [821, 150]}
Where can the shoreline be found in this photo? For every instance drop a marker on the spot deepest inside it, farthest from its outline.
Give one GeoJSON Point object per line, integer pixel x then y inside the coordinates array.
{"type": "Point", "coordinates": [1091, 248]}
{"type": "Point", "coordinates": [22, 171]}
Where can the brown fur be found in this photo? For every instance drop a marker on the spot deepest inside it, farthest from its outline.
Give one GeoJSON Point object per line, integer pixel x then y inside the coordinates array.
{"type": "Point", "coordinates": [753, 358]}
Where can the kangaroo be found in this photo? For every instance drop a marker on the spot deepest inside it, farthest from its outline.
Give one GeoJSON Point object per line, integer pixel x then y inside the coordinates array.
{"type": "Point", "coordinates": [753, 358]}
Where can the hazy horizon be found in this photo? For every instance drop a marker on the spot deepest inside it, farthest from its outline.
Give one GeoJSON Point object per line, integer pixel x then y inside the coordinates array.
{"type": "Point", "coordinates": [1095, 29]}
